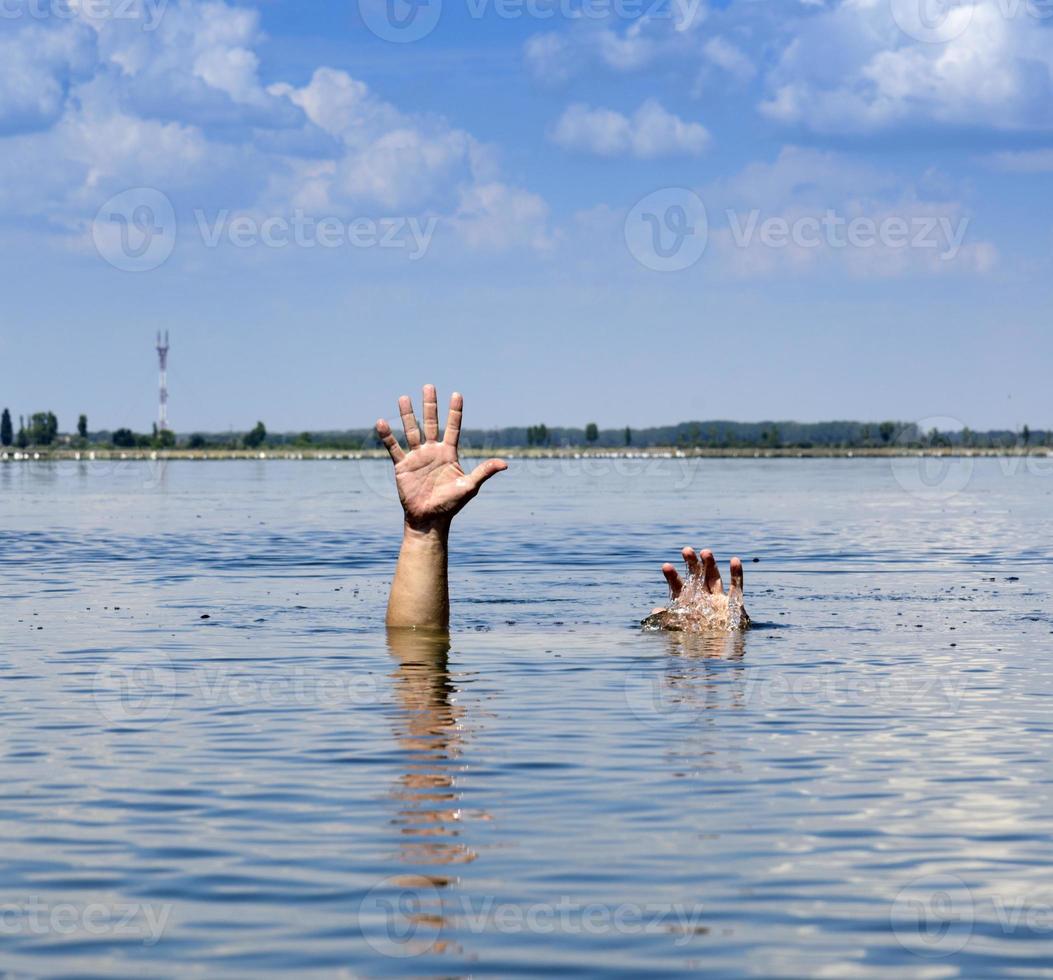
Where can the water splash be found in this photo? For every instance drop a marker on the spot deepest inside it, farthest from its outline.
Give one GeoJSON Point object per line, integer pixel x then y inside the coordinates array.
{"type": "Point", "coordinates": [697, 611]}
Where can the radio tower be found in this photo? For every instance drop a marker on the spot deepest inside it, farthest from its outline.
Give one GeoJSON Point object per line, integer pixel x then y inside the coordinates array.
{"type": "Point", "coordinates": [162, 360]}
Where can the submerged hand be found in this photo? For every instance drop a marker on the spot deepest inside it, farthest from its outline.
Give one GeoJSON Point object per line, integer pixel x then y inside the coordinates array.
{"type": "Point", "coordinates": [703, 582]}
{"type": "Point", "coordinates": [432, 486]}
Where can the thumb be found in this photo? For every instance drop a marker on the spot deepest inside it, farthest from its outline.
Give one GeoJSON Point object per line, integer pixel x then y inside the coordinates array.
{"type": "Point", "coordinates": [484, 471]}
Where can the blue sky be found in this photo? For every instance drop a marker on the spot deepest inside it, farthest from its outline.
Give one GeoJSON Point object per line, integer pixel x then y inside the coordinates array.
{"type": "Point", "coordinates": [626, 212]}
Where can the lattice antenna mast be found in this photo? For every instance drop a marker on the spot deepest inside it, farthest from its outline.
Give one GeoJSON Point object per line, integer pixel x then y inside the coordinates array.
{"type": "Point", "coordinates": [162, 360]}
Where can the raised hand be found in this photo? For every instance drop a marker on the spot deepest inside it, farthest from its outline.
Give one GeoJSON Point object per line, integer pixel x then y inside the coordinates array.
{"type": "Point", "coordinates": [432, 486]}
{"type": "Point", "coordinates": [704, 588]}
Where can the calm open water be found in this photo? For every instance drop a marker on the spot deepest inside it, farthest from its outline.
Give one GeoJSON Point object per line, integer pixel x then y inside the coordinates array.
{"type": "Point", "coordinates": [858, 787]}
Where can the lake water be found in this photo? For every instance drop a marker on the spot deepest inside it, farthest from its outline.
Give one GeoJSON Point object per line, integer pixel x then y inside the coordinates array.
{"type": "Point", "coordinates": [860, 785]}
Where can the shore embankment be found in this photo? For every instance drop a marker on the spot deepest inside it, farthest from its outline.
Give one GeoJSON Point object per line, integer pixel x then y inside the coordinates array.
{"type": "Point", "coordinates": [45, 454]}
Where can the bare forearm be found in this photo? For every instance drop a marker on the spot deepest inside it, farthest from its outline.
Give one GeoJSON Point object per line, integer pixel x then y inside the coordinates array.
{"type": "Point", "coordinates": [420, 593]}
{"type": "Point", "coordinates": [432, 489]}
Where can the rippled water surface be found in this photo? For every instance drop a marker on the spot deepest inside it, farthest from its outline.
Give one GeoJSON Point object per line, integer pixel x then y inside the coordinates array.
{"type": "Point", "coordinates": [859, 786]}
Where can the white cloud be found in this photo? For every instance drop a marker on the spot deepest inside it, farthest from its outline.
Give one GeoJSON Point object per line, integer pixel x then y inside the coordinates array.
{"type": "Point", "coordinates": [650, 132]}
{"type": "Point", "coordinates": [834, 66]}
{"type": "Point", "coordinates": [405, 168]}
{"type": "Point", "coordinates": [723, 54]}
{"type": "Point", "coordinates": [38, 62]}
{"type": "Point", "coordinates": [495, 216]}
{"type": "Point", "coordinates": [665, 31]}
{"type": "Point", "coordinates": [548, 57]}
{"type": "Point", "coordinates": [96, 106]}
{"type": "Point", "coordinates": [386, 157]}
{"type": "Point", "coordinates": [554, 58]}
{"type": "Point", "coordinates": [341, 105]}
{"type": "Point", "coordinates": [627, 51]}
{"type": "Point", "coordinates": [853, 68]}
{"type": "Point", "coordinates": [96, 150]}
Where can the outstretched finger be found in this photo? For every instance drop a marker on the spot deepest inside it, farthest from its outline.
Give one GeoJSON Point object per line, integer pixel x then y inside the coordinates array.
{"type": "Point", "coordinates": [694, 569]}
{"type": "Point", "coordinates": [713, 583]}
{"type": "Point", "coordinates": [736, 592]}
{"type": "Point", "coordinates": [484, 471]}
{"type": "Point", "coordinates": [736, 575]}
{"type": "Point", "coordinates": [431, 414]}
{"type": "Point", "coordinates": [676, 586]}
{"type": "Point", "coordinates": [453, 420]}
{"type": "Point", "coordinates": [389, 440]}
{"type": "Point", "coordinates": [409, 422]}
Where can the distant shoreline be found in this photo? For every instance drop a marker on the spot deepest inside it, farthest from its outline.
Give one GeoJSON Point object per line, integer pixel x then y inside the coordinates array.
{"type": "Point", "coordinates": [280, 455]}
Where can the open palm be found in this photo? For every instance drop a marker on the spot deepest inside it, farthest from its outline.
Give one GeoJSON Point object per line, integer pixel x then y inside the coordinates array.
{"type": "Point", "coordinates": [431, 484]}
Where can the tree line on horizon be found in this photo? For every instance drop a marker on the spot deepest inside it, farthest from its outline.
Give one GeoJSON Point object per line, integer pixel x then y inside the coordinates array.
{"type": "Point", "coordinates": [41, 430]}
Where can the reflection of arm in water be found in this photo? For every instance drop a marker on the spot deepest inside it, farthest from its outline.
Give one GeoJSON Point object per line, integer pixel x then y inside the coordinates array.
{"type": "Point", "coordinates": [701, 602]}
{"type": "Point", "coordinates": [430, 725]}
{"type": "Point", "coordinates": [433, 488]}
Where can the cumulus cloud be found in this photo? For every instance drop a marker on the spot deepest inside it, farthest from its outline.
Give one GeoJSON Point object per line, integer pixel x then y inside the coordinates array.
{"type": "Point", "coordinates": [864, 66]}
{"type": "Point", "coordinates": [496, 216]}
{"type": "Point", "coordinates": [721, 53]}
{"type": "Point", "coordinates": [38, 63]}
{"type": "Point", "coordinates": [554, 58]}
{"type": "Point", "coordinates": [664, 31]}
{"type": "Point", "coordinates": [835, 66]}
{"type": "Point", "coordinates": [548, 57]}
{"type": "Point", "coordinates": [650, 132]}
{"type": "Point", "coordinates": [384, 157]}
{"type": "Point", "coordinates": [96, 106]}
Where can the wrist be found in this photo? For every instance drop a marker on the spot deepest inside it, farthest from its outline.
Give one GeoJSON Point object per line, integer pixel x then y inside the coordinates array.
{"type": "Point", "coordinates": [426, 532]}
{"type": "Point", "coordinates": [419, 596]}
